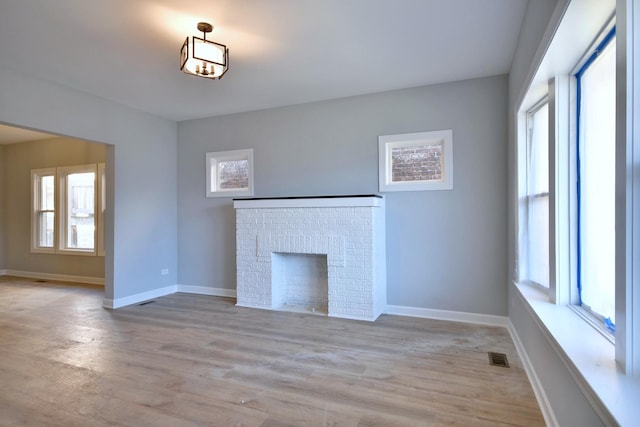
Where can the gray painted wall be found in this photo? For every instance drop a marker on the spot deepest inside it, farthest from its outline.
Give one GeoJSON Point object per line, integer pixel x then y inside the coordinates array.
{"type": "Point", "coordinates": [445, 249]}
{"type": "Point", "coordinates": [2, 205]}
{"type": "Point", "coordinates": [20, 159]}
{"type": "Point", "coordinates": [569, 404]}
{"type": "Point", "coordinates": [141, 222]}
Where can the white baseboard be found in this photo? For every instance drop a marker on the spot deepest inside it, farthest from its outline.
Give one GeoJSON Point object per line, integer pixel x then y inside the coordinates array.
{"type": "Point", "coordinates": [50, 276]}
{"type": "Point", "coordinates": [138, 298]}
{"type": "Point", "coordinates": [454, 316]}
{"type": "Point", "coordinates": [205, 290]}
{"type": "Point", "coordinates": [538, 390]}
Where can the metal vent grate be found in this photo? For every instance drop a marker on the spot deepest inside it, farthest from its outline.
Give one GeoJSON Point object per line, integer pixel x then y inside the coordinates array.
{"type": "Point", "coordinates": [498, 359]}
{"type": "Point", "coordinates": [146, 302]}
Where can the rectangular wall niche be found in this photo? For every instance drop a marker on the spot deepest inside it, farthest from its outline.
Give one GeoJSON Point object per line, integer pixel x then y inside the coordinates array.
{"type": "Point", "coordinates": [326, 253]}
{"type": "Point", "coordinates": [302, 281]}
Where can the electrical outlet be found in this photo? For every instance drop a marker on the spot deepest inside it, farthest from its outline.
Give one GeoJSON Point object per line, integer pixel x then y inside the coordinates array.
{"type": "Point", "coordinates": [164, 271]}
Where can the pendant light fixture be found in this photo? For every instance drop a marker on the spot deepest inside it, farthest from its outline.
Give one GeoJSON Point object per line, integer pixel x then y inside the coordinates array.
{"type": "Point", "coordinates": [202, 57]}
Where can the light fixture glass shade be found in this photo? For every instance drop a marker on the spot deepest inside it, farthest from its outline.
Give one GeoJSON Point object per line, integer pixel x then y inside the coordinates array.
{"type": "Point", "coordinates": [204, 58]}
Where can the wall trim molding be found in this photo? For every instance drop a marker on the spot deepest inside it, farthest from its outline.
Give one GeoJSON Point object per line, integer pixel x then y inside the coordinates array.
{"type": "Point", "coordinates": [138, 298]}
{"type": "Point", "coordinates": [454, 316]}
{"type": "Point", "coordinates": [205, 290]}
{"type": "Point", "coordinates": [51, 276]}
{"type": "Point", "coordinates": [538, 390]}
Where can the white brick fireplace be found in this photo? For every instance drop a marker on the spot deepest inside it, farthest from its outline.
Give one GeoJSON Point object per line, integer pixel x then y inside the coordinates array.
{"type": "Point", "coordinates": [322, 254]}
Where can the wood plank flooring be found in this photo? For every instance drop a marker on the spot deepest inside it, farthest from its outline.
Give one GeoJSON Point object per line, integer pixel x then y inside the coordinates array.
{"type": "Point", "coordinates": [193, 360]}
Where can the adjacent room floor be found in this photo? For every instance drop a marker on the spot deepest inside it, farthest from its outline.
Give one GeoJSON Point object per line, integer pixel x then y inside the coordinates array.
{"type": "Point", "coordinates": [186, 360]}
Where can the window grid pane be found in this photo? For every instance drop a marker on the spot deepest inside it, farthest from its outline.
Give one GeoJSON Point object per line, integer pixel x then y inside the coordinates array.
{"type": "Point", "coordinates": [45, 229]}
{"type": "Point", "coordinates": [538, 231]}
{"type": "Point", "coordinates": [47, 195]}
{"type": "Point", "coordinates": [597, 185]}
{"type": "Point", "coordinates": [538, 167]}
{"type": "Point", "coordinates": [45, 210]}
{"type": "Point", "coordinates": [538, 197]}
{"type": "Point", "coordinates": [80, 219]}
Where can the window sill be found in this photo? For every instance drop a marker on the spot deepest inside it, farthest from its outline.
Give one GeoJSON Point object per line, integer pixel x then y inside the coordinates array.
{"type": "Point", "coordinates": [589, 356]}
{"type": "Point", "coordinates": [67, 252]}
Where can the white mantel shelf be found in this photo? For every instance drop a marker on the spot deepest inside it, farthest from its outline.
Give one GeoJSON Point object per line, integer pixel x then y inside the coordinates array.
{"type": "Point", "coordinates": [310, 202]}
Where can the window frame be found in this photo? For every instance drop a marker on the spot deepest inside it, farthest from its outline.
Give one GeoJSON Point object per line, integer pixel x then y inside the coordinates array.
{"type": "Point", "coordinates": [386, 143]}
{"type": "Point", "coordinates": [602, 42]}
{"type": "Point", "coordinates": [527, 197]}
{"type": "Point", "coordinates": [59, 174]}
{"type": "Point", "coordinates": [63, 173]}
{"type": "Point", "coordinates": [561, 92]}
{"type": "Point", "coordinates": [36, 186]}
{"type": "Point", "coordinates": [212, 161]}
{"type": "Point", "coordinates": [597, 365]}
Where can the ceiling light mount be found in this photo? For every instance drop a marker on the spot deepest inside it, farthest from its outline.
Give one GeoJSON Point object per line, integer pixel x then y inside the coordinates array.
{"type": "Point", "coordinates": [204, 58]}
{"type": "Point", "coordinates": [205, 27]}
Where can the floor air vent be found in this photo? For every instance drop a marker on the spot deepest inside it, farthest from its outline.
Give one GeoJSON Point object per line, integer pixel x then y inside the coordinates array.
{"type": "Point", "coordinates": [146, 302]}
{"type": "Point", "coordinates": [498, 359]}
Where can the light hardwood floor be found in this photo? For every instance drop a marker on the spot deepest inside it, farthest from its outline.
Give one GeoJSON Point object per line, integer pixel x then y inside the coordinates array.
{"type": "Point", "coordinates": [198, 360]}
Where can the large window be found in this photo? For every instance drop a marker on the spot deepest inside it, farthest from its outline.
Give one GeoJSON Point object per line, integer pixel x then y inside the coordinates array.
{"type": "Point", "coordinates": [536, 265]}
{"type": "Point", "coordinates": [67, 214]}
{"type": "Point", "coordinates": [596, 133]}
{"type": "Point", "coordinates": [590, 74]}
{"type": "Point", "coordinates": [567, 186]}
{"type": "Point", "coordinates": [77, 208]}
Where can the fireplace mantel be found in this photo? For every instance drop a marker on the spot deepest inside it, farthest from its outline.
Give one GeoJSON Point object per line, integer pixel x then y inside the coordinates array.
{"type": "Point", "coordinates": [365, 200]}
{"type": "Point", "coordinates": [348, 230]}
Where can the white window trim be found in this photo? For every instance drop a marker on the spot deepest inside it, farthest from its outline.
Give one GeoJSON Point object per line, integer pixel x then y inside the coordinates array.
{"type": "Point", "coordinates": [36, 174]}
{"type": "Point", "coordinates": [101, 197]}
{"type": "Point", "coordinates": [59, 208]}
{"type": "Point", "coordinates": [561, 94]}
{"type": "Point", "coordinates": [562, 207]}
{"type": "Point", "coordinates": [63, 172]}
{"type": "Point", "coordinates": [386, 143]}
{"type": "Point", "coordinates": [627, 188]}
{"type": "Point", "coordinates": [212, 158]}
{"type": "Point", "coordinates": [607, 374]}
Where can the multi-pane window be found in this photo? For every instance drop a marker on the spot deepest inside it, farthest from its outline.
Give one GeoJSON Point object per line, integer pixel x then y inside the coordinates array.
{"type": "Point", "coordinates": [536, 266]}
{"type": "Point", "coordinates": [67, 212]}
{"type": "Point", "coordinates": [43, 199]}
{"type": "Point", "coordinates": [596, 119]}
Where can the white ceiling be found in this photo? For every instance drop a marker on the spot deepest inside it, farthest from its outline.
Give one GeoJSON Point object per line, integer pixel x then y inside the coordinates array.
{"type": "Point", "coordinates": [282, 52]}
